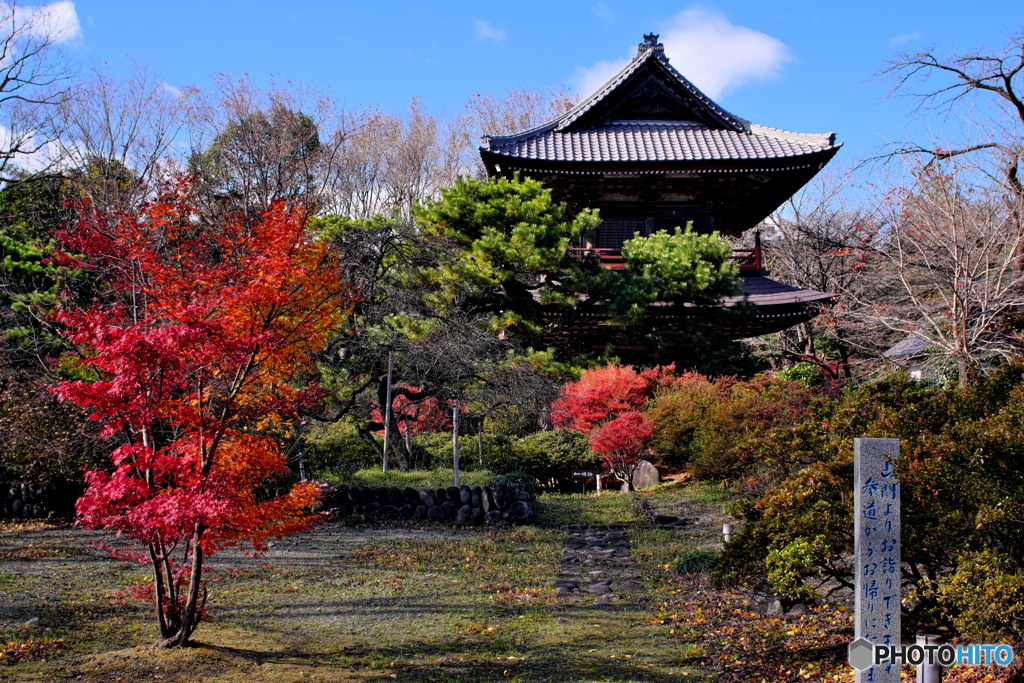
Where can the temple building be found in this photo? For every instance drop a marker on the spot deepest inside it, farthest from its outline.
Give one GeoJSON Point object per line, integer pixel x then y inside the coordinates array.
{"type": "Point", "coordinates": [652, 152]}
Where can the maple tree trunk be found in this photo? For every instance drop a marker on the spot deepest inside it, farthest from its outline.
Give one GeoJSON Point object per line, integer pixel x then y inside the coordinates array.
{"type": "Point", "coordinates": [189, 617]}
{"type": "Point", "coordinates": [844, 355]}
{"type": "Point", "coordinates": [160, 590]}
{"type": "Point", "coordinates": [963, 368]}
{"type": "Point", "coordinates": [624, 472]}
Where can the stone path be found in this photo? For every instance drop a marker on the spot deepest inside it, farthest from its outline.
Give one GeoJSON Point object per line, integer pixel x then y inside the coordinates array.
{"type": "Point", "coordinates": [596, 568]}
{"type": "Point", "coordinates": [661, 518]}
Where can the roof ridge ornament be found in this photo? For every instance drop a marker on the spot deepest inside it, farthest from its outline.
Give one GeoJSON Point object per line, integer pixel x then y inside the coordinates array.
{"type": "Point", "coordinates": [651, 44]}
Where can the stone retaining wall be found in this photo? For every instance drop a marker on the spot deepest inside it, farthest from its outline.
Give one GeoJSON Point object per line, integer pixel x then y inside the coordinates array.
{"type": "Point", "coordinates": [24, 500]}
{"type": "Point", "coordinates": [455, 504]}
{"type": "Point", "coordinates": [459, 505]}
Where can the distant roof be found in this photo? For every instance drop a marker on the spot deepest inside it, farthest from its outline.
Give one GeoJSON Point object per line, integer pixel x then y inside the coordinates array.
{"type": "Point", "coordinates": [649, 112]}
{"type": "Point", "coordinates": [912, 345]}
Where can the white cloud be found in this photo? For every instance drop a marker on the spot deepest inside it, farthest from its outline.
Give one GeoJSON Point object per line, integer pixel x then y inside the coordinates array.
{"type": "Point", "coordinates": [484, 31]}
{"type": "Point", "coordinates": [702, 44]}
{"type": "Point", "coordinates": [719, 56]}
{"type": "Point", "coordinates": [602, 12]}
{"type": "Point", "coordinates": [590, 78]}
{"type": "Point", "coordinates": [174, 91]}
{"type": "Point", "coordinates": [57, 20]}
{"type": "Point", "coordinates": [905, 38]}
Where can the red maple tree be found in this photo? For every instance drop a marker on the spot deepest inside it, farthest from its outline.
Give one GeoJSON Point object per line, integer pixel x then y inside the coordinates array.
{"type": "Point", "coordinates": [415, 412]}
{"type": "Point", "coordinates": [604, 403]}
{"type": "Point", "coordinates": [195, 343]}
{"type": "Point", "coordinates": [621, 442]}
{"type": "Point", "coordinates": [601, 394]}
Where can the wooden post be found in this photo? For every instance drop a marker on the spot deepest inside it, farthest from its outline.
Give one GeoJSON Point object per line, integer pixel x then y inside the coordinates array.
{"type": "Point", "coordinates": [455, 441]}
{"type": "Point", "coordinates": [408, 444]}
{"type": "Point", "coordinates": [387, 415]}
{"type": "Point", "coordinates": [757, 250]}
{"type": "Point", "coordinates": [925, 672]}
{"type": "Point", "coordinates": [480, 444]}
{"type": "Point", "coordinates": [876, 528]}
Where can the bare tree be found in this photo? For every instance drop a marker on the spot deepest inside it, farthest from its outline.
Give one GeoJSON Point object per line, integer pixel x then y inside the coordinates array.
{"type": "Point", "coordinates": [251, 146]}
{"type": "Point", "coordinates": [425, 160]}
{"type": "Point", "coordinates": [952, 256]}
{"type": "Point", "coordinates": [118, 134]}
{"type": "Point", "coordinates": [285, 144]}
{"type": "Point", "coordinates": [357, 183]}
{"type": "Point", "coordinates": [34, 79]}
{"type": "Point", "coordinates": [972, 84]}
{"type": "Point", "coordinates": [518, 109]}
{"type": "Point", "coordinates": [822, 240]}
{"type": "Point", "coordinates": [957, 243]}
{"type": "Point", "coordinates": [390, 162]}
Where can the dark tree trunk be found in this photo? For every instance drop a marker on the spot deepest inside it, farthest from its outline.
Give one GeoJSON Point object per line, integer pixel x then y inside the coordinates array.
{"type": "Point", "coordinates": [844, 355]}
{"type": "Point", "coordinates": [176, 632]}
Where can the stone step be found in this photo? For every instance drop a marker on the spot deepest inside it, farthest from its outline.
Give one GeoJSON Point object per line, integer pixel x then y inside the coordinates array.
{"type": "Point", "coordinates": [596, 565]}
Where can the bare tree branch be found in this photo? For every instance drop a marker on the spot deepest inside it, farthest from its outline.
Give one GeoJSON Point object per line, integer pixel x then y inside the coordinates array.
{"type": "Point", "coordinates": [34, 79]}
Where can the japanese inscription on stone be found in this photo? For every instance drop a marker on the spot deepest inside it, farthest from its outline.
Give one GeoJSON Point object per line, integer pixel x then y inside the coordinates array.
{"type": "Point", "coordinates": [876, 526]}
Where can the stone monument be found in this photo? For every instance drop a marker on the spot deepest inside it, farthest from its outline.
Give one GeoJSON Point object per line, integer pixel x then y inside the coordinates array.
{"type": "Point", "coordinates": [876, 528]}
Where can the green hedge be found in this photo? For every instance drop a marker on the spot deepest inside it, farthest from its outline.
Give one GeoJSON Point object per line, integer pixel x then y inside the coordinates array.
{"type": "Point", "coordinates": [336, 449]}
{"type": "Point", "coordinates": [545, 456]}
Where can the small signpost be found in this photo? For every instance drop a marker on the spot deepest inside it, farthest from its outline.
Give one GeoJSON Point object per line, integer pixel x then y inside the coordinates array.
{"type": "Point", "coordinates": [584, 475]}
{"type": "Point", "coordinates": [876, 526]}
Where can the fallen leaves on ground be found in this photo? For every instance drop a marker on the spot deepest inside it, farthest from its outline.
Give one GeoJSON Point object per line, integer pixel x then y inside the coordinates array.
{"type": "Point", "coordinates": [20, 651]}
{"type": "Point", "coordinates": [742, 645]}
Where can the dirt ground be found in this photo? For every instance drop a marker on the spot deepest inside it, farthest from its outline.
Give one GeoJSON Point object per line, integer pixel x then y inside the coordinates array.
{"type": "Point", "coordinates": [347, 602]}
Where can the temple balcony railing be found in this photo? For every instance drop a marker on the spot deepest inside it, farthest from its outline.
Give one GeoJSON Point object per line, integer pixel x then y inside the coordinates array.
{"type": "Point", "coordinates": [749, 260]}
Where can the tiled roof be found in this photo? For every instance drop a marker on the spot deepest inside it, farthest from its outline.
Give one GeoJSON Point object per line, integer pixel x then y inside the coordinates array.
{"type": "Point", "coordinates": [765, 292]}
{"type": "Point", "coordinates": [727, 119]}
{"type": "Point", "coordinates": [912, 345]}
{"type": "Point", "coordinates": [642, 141]}
{"type": "Point", "coordinates": [573, 137]}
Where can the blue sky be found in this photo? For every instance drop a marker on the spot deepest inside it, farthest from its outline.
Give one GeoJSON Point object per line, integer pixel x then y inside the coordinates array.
{"type": "Point", "coordinates": [803, 66]}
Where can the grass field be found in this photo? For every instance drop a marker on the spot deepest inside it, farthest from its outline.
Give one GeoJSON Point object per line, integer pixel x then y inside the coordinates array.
{"type": "Point", "coordinates": [351, 603]}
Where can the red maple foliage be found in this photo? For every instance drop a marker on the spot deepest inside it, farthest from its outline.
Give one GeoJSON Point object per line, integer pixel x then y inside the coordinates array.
{"type": "Point", "coordinates": [604, 403]}
{"type": "Point", "coordinates": [621, 442]}
{"type": "Point", "coordinates": [603, 393]}
{"type": "Point", "coordinates": [416, 413]}
{"type": "Point", "coordinates": [194, 344]}
{"type": "Point", "coordinates": [428, 414]}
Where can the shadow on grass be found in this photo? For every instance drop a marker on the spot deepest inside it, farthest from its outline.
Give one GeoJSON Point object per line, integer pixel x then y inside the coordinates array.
{"type": "Point", "coordinates": [464, 660]}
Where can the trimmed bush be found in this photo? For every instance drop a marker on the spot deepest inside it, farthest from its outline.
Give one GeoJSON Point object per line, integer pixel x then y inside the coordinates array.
{"type": "Point", "coordinates": [336, 448]}
{"type": "Point", "coordinates": [808, 373]}
{"type": "Point", "coordinates": [712, 427]}
{"type": "Point", "coordinates": [961, 471]}
{"type": "Point", "coordinates": [43, 438]}
{"type": "Point", "coordinates": [546, 456]}
{"type": "Point", "coordinates": [696, 562]}
{"type": "Point", "coordinates": [986, 598]}
{"type": "Point", "coordinates": [434, 449]}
